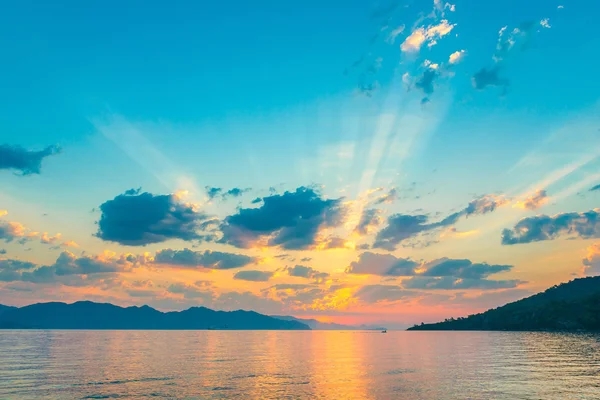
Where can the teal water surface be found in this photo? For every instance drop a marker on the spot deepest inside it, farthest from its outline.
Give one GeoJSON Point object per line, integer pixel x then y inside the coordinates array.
{"type": "Point", "coordinates": [294, 364]}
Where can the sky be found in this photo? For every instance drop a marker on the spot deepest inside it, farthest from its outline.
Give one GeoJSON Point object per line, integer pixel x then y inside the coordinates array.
{"type": "Point", "coordinates": [389, 162]}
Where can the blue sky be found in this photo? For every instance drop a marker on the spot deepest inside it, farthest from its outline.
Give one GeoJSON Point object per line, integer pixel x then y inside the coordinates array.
{"type": "Point", "coordinates": [275, 96]}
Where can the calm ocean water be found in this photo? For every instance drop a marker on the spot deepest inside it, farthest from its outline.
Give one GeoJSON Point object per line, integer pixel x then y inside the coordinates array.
{"type": "Point", "coordinates": [277, 365]}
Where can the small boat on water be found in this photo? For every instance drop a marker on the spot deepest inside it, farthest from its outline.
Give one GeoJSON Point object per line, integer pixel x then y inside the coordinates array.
{"type": "Point", "coordinates": [384, 331]}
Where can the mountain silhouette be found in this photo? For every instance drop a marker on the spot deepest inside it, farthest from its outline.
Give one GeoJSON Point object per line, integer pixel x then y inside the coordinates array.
{"type": "Point", "coordinates": [3, 309]}
{"type": "Point", "coordinates": [90, 315]}
{"type": "Point", "coordinates": [571, 306]}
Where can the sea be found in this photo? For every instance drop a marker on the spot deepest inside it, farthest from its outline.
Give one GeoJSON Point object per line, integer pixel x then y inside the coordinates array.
{"type": "Point", "coordinates": [55, 364]}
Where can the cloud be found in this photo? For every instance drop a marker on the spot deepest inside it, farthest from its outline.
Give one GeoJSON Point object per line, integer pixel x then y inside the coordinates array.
{"type": "Point", "coordinates": [425, 81]}
{"type": "Point", "coordinates": [462, 269]}
{"type": "Point", "coordinates": [235, 192]}
{"type": "Point", "coordinates": [387, 198]}
{"type": "Point", "coordinates": [585, 225]}
{"type": "Point", "coordinates": [401, 227]}
{"type": "Point", "coordinates": [68, 269]}
{"type": "Point", "coordinates": [69, 264]}
{"type": "Point", "coordinates": [488, 77]}
{"type": "Point", "coordinates": [508, 40]}
{"type": "Point", "coordinates": [384, 293]}
{"type": "Point", "coordinates": [369, 220]}
{"type": "Point", "coordinates": [485, 204]}
{"type": "Point", "coordinates": [533, 202]}
{"type": "Point", "coordinates": [142, 219]}
{"type": "Point", "coordinates": [456, 57]}
{"type": "Point", "coordinates": [546, 23]}
{"type": "Point", "coordinates": [10, 231]}
{"type": "Point", "coordinates": [302, 271]}
{"type": "Point", "coordinates": [47, 239]}
{"type": "Point", "coordinates": [291, 221]}
{"type": "Point", "coordinates": [203, 259]}
{"type": "Point", "coordinates": [597, 187]}
{"type": "Point", "coordinates": [394, 33]}
{"type": "Point", "coordinates": [431, 34]}
{"type": "Point", "coordinates": [25, 161]}
{"type": "Point", "coordinates": [335, 243]}
{"type": "Point", "coordinates": [592, 261]}
{"type": "Point", "coordinates": [253, 276]}
{"type": "Point", "coordinates": [191, 291]}
{"type": "Point", "coordinates": [11, 270]}
{"type": "Point", "coordinates": [133, 192]}
{"type": "Point", "coordinates": [382, 265]}
{"type": "Point", "coordinates": [3, 251]}
{"type": "Point", "coordinates": [213, 192]}
{"type": "Point", "coordinates": [453, 283]}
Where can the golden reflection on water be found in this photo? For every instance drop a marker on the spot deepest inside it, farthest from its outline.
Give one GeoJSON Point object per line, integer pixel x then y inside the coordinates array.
{"type": "Point", "coordinates": [342, 376]}
{"type": "Point", "coordinates": [278, 364]}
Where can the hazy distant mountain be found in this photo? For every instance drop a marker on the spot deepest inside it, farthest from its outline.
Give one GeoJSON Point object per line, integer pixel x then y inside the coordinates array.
{"type": "Point", "coordinates": [570, 306]}
{"type": "Point", "coordinates": [326, 326]}
{"type": "Point", "coordinates": [89, 315]}
{"type": "Point", "coordinates": [316, 325]}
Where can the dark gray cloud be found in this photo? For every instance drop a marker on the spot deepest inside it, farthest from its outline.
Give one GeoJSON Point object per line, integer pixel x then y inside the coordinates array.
{"type": "Point", "coordinates": [235, 192]}
{"type": "Point", "coordinates": [302, 271]}
{"type": "Point", "coordinates": [425, 81]}
{"type": "Point", "coordinates": [443, 273]}
{"type": "Point", "coordinates": [68, 264]}
{"type": "Point", "coordinates": [213, 192]}
{"type": "Point", "coordinates": [3, 251]}
{"type": "Point", "coordinates": [68, 269]}
{"type": "Point", "coordinates": [291, 220]}
{"type": "Point", "coordinates": [594, 188]}
{"type": "Point", "coordinates": [489, 77]}
{"type": "Point", "coordinates": [203, 259]}
{"type": "Point", "coordinates": [141, 219]}
{"type": "Point", "coordinates": [453, 283]}
{"type": "Point", "coordinates": [485, 204]}
{"type": "Point", "coordinates": [369, 219]}
{"type": "Point", "coordinates": [253, 276]}
{"type": "Point", "coordinates": [25, 161]}
{"type": "Point", "coordinates": [306, 259]}
{"type": "Point", "coordinates": [10, 231]}
{"type": "Point", "coordinates": [382, 265]}
{"type": "Point", "coordinates": [462, 269]}
{"type": "Point", "coordinates": [401, 227]}
{"type": "Point", "coordinates": [133, 192]}
{"type": "Point", "coordinates": [585, 225]}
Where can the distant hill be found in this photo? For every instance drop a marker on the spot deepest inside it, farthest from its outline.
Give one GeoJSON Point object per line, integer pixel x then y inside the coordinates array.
{"type": "Point", "coordinates": [570, 306]}
{"type": "Point", "coordinates": [89, 315]}
{"type": "Point", "coordinates": [5, 308]}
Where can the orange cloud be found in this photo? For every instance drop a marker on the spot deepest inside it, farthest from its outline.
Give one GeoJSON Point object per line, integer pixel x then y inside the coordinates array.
{"type": "Point", "coordinates": [533, 201]}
